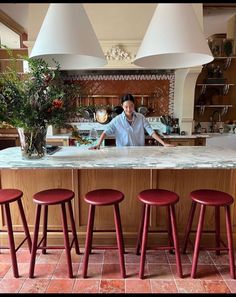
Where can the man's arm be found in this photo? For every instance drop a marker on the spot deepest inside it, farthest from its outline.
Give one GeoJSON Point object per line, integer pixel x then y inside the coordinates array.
{"type": "Point", "coordinates": [158, 138]}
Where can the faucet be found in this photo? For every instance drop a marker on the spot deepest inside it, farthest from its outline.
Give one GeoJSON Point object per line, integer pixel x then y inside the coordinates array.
{"type": "Point", "coordinates": [213, 122]}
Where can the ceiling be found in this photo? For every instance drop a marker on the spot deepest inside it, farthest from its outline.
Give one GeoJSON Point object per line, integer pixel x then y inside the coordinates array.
{"type": "Point", "coordinates": [119, 21]}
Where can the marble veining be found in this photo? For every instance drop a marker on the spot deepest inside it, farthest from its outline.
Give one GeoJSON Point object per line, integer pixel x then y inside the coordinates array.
{"type": "Point", "coordinates": [180, 157]}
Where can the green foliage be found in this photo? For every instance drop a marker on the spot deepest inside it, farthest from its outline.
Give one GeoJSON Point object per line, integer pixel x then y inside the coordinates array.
{"type": "Point", "coordinates": [37, 98]}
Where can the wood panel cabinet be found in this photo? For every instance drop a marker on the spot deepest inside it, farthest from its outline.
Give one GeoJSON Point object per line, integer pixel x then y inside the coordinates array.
{"type": "Point", "coordinates": [200, 141]}
{"type": "Point", "coordinates": [175, 141]}
{"type": "Point", "coordinates": [130, 182]}
{"type": "Point", "coordinates": [181, 142]}
{"type": "Point", "coordinates": [187, 141]}
{"type": "Point", "coordinates": [60, 141]}
{"type": "Point", "coordinates": [9, 141]}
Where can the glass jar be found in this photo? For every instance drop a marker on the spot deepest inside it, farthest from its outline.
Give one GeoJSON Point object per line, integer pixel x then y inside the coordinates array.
{"type": "Point", "coordinates": [33, 142]}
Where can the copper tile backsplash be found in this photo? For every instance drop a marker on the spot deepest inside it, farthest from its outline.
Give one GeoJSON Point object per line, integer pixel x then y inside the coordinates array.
{"type": "Point", "coordinates": [159, 88]}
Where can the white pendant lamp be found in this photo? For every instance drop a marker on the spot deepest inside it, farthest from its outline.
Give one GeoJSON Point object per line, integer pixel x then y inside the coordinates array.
{"type": "Point", "coordinates": [67, 36]}
{"type": "Point", "coordinates": [174, 39]}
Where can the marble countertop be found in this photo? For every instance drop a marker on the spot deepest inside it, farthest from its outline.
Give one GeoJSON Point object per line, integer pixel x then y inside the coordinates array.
{"type": "Point", "coordinates": [179, 157]}
{"type": "Point", "coordinates": [185, 136]}
{"type": "Point", "coordinates": [63, 136]}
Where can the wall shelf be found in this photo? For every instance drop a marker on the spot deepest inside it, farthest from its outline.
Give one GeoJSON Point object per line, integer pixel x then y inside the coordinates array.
{"type": "Point", "coordinates": [225, 108]}
{"type": "Point", "coordinates": [215, 88]}
{"type": "Point", "coordinates": [227, 62]}
{"type": "Point", "coordinates": [225, 87]}
{"type": "Point", "coordinates": [215, 105]}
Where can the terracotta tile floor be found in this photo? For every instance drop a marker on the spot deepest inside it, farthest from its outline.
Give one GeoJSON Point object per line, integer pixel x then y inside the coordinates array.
{"type": "Point", "coordinates": [104, 273]}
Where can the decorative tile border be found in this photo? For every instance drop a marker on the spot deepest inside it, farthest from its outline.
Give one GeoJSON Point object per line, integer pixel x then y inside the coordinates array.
{"type": "Point", "coordinates": [171, 95]}
{"type": "Point", "coordinates": [123, 77]}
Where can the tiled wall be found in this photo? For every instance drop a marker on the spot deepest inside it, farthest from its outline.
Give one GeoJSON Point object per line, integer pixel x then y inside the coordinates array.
{"type": "Point", "coordinates": [158, 87]}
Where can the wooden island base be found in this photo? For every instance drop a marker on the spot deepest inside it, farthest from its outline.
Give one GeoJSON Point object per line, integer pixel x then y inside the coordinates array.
{"type": "Point", "coordinates": [130, 182]}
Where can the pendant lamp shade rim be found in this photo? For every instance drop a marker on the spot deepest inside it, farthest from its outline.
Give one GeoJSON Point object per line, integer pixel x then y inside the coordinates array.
{"type": "Point", "coordinates": [67, 37]}
{"type": "Point", "coordinates": [72, 62]}
{"type": "Point", "coordinates": [174, 39]}
{"type": "Point", "coordinates": [173, 60]}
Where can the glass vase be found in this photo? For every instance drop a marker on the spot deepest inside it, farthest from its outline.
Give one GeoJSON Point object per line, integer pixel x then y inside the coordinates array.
{"type": "Point", "coordinates": [33, 142]}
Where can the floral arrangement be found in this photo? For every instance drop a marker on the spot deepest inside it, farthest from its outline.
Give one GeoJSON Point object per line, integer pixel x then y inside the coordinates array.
{"type": "Point", "coordinates": [31, 101]}
{"type": "Point", "coordinates": [37, 98]}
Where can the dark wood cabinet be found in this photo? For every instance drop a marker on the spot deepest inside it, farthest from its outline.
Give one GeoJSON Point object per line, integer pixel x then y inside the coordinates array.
{"type": "Point", "coordinates": [187, 141]}
{"type": "Point", "coordinates": [9, 141]}
{"type": "Point", "coordinates": [175, 141]}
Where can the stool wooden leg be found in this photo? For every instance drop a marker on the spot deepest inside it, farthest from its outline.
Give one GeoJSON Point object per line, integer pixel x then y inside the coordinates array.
{"type": "Point", "coordinates": [73, 228]}
{"type": "Point", "coordinates": [140, 231]}
{"type": "Point", "coordinates": [35, 242]}
{"type": "Point", "coordinates": [45, 227]}
{"type": "Point", "coordinates": [230, 241]}
{"type": "Point", "coordinates": [11, 241]}
{"type": "Point", "coordinates": [91, 233]}
{"type": "Point", "coordinates": [144, 241]}
{"type": "Point", "coordinates": [189, 226]}
{"type": "Point", "coordinates": [169, 229]}
{"type": "Point", "coordinates": [175, 239]}
{"type": "Point", "coordinates": [25, 225]}
{"type": "Point", "coordinates": [66, 240]}
{"type": "Point", "coordinates": [88, 242]}
{"type": "Point", "coordinates": [119, 237]}
{"type": "Point", "coordinates": [217, 228]}
{"type": "Point", "coordinates": [197, 241]}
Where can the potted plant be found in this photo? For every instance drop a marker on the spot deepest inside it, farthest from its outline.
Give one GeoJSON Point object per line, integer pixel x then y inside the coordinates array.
{"type": "Point", "coordinates": [33, 100]}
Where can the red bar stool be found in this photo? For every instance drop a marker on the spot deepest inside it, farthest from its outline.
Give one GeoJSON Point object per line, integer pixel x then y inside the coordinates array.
{"type": "Point", "coordinates": [52, 197]}
{"type": "Point", "coordinates": [8, 196]}
{"type": "Point", "coordinates": [217, 199]}
{"type": "Point", "coordinates": [158, 197]}
{"type": "Point", "coordinates": [103, 197]}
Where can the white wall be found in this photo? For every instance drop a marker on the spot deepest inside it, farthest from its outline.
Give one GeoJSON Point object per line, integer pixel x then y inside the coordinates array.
{"type": "Point", "coordinates": [216, 22]}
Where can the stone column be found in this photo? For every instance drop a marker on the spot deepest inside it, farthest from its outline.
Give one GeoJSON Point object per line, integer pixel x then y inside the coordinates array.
{"type": "Point", "coordinates": [185, 83]}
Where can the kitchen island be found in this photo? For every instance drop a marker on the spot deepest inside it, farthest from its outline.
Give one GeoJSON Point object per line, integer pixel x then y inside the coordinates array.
{"type": "Point", "coordinates": [128, 169]}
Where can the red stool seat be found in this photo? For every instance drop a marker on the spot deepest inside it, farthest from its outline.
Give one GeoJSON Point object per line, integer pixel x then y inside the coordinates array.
{"type": "Point", "coordinates": [104, 197]}
{"type": "Point", "coordinates": [217, 199]}
{"type": "Point", "coordinates": [8, 196]}
{"type": "Point", "coordinates": [53, 196]}
{"type": "Point", "coordinates": [158, 197]}
{"type": "Point", "coordinates": [211, 197]}
{"type": "Point", "coordinates": [44, 199]}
